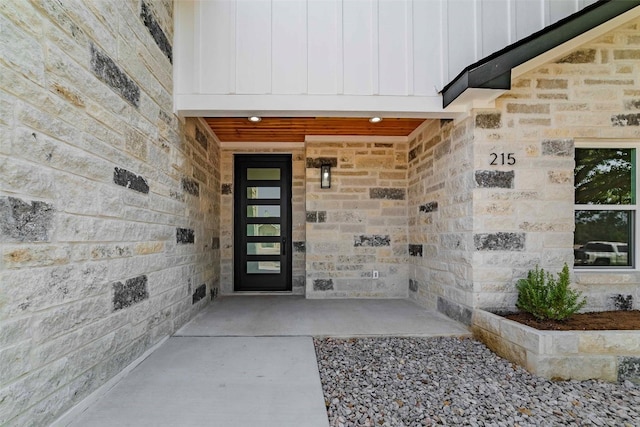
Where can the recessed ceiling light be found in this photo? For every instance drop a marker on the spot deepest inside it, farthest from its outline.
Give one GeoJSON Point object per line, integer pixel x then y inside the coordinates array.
{"type": "Point", "coordinates": [375, 119]}
{"type": "Point", "coordinates": [254, 119]}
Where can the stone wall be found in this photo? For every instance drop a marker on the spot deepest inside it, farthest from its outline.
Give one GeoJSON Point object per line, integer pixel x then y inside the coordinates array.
{"type": "Point", "coordinates": [440, 190]}
{"type": "Point", "coordinates": [523, 213]}
{"type": "Point", "coordinates": [297, 219]}
{"type": "Point", "coordinates": [359, 225]}
{"type": "Point", "coordinates": [109, 204]}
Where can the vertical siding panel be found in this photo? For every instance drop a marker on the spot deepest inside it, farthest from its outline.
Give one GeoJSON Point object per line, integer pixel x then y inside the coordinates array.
{"type": "Point", "coordinates": [375, 47]}
{"type": "Point", "coordinates": [462, 35]}
{"type": "Point", "coordinates": [253, 46]}
{"type": "Point", "coordinates": [393, 58]}
{"type": "Point", "coordinates": [512, 21]}
{"type": "Point", "coordinates": [427, 47]}
{"type": "Point", "coordinates": [558, 9]}
{"type": "Point", "coordinates": [214, 37]}
{"type": "Point", "coordinates": [495, 26]}
{"type": "Point", "coordinates": [357, 37]}
{"type": "Point", "coordinates": [529, 17]}
{"type": "Point", "coordinates": [444, 40]}
{"type": "Point", "coordinates": [408, 35]}
{"type": "Point", "coordinates": [478, 29]}
{"type": "Point", "coordinates": [340, 48]}
{"type": "Point", "coordinates": [233, 76]}
{"type": "Point", "coordinates": [185, 47]}
{"type": "Point", "coordinates": [323, 29]}
{"type": "Point", "coordinates": [585, 3]}
{"type": "Point", "coordinates": [289, 60]}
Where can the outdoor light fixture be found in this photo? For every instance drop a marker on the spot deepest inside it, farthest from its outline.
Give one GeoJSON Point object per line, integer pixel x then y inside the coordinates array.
{"type": "Point", "coordinates": [325, 176]}
{"type": "Point", "coordinates": [254, 119]}
{"type": "Point", "coordinates": [375, 119]}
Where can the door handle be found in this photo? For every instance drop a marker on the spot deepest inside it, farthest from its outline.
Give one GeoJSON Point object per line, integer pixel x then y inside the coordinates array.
{"type": "Point", "coordinates": [284, 246]}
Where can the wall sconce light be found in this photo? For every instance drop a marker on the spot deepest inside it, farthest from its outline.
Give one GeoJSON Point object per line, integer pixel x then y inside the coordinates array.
{"type": "Point", "coordinates": [325, 176]}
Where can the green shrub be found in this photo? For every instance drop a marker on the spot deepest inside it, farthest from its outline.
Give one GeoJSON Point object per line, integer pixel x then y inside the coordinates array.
{"type": "Point", "coordinates": [547, 298]}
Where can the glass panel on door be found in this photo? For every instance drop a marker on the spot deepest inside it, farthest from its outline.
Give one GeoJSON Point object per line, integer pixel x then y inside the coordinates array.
{"type": "Point", "coordinates": [263, 211]}
{"type": "Point", "coordinates": [263, 248]}
{"type": "Point", "coordinates": [263, 267]}
{"type": "Point", "coordinates": [263, 174]}
{"type": "Point", "coordinates": [263, 230]}
{"type": "Point", "coordinates": [263, 192]}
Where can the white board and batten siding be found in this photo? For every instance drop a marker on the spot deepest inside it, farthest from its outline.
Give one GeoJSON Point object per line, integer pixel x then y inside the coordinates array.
{"type": "Point", "coordinates": [340, 55]}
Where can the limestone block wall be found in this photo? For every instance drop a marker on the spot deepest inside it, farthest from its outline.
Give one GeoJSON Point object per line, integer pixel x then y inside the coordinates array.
{"type": "Point", "coordinates": [440, 199]}
{"type": "Point", "coordinates": [297, 219]}
{"type": "Point", "coordinates": [523, 212]}
{"type": "Point", "coordinates": [109, 204]}
{"type": "Point", "coordinates": [359, 225]}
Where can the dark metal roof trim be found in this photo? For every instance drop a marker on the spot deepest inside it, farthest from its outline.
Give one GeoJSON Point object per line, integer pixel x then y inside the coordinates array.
{"type": "Point", "coordinates": [494, 71]}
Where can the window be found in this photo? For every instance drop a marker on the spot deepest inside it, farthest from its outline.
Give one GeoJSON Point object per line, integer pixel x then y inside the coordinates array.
{"type": "Point", "coordinates": [605, 185]}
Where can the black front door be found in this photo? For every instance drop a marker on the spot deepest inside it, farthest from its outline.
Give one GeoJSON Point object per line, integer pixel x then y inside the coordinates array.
{"type": "Point", "coordinates": [262, 223]}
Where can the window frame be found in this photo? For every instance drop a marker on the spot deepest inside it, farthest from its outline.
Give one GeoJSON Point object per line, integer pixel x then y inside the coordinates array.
{"type": "Point", "coordinates": [633, 208]}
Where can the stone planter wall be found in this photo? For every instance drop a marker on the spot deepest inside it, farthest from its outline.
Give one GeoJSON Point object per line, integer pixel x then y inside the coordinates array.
{"type": "Point", "coordinates": [580, 355]}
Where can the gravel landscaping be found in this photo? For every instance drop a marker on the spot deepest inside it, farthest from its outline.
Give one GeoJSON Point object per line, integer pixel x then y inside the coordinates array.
{"type": "Point", "coordinates": [451, 381]}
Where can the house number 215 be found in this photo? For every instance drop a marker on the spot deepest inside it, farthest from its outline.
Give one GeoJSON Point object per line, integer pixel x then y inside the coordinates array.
{"type": "Point", "coordinates": [502, 159]}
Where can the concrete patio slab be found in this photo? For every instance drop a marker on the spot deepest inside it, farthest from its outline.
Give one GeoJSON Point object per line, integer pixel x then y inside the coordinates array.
{"type": "Point", "coordinates": [249, 360]}
{"type": "Point", "coordinates": [218, 381]}
{"type": "Point", "coordinates": [288, 315]}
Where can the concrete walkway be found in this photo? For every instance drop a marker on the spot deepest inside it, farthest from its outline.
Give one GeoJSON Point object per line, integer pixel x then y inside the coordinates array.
{"type": "Point", "coordinates": [250, 360]}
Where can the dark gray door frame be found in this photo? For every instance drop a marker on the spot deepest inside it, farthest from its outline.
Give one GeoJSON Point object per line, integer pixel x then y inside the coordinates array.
{"type": "Point", "coordinates": [262, 260]}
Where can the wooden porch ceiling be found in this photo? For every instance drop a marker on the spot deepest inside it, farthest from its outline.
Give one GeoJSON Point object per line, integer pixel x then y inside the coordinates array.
{"type": "Point", "coordinates": [294, 129]}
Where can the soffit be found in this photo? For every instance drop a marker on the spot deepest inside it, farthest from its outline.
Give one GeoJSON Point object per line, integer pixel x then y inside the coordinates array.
{"type": "Point", "coordinates": [295, 129]}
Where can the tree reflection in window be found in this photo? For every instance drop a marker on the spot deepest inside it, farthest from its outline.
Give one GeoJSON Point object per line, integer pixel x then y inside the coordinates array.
{"type": "Point", "coordinates": [604, 176]}
{"type": "Point", "coordinates": [614, 226]}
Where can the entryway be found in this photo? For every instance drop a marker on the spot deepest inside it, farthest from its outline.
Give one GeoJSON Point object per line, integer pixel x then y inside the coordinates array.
{"type": "Point", "coordinates": [289, 315]}
{"type": "Point", "coordinates": [262, 222]}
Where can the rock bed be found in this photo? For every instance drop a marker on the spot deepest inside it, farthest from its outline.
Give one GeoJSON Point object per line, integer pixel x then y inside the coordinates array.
{"type": "Point", "coordinates": [452, 381]}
